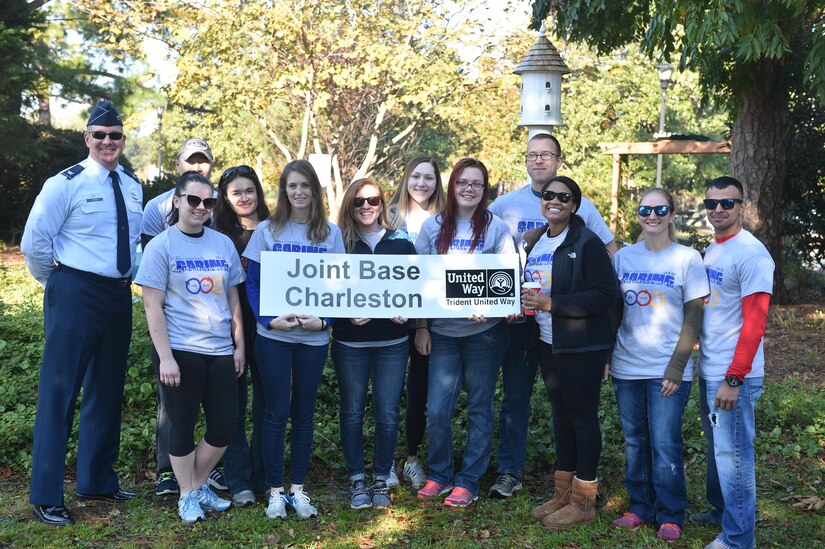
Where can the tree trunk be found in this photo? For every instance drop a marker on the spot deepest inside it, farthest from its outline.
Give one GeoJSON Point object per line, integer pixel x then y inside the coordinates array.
{"type": "Point", "coordinates": [44, 112]}
{"type": "Point", "coordinates": [759, 144]}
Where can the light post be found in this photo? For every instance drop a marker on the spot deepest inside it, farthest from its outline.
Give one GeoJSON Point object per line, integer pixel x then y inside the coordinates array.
{"type": "Point", "coordinates": [541, 72]}
{"type": "Point", "coordinates": [160, 141]}
{"type": "Point", "coordinates": [665, 72]}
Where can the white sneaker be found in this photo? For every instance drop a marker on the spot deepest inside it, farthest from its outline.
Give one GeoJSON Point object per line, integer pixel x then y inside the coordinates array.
{"type": "Point", "coordinates": [189, 509]}
{"type": "Point", "coordinates": [277, 505]}
{"type": "Point", "coordinates": [299, 500]}
{"type": "Point", "coordinates": [414, 474]}
{"type": "Point", "coordinates": [393, 481]}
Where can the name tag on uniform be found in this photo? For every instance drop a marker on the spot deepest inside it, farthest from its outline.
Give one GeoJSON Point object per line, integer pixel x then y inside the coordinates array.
{"type": "Point", "coordinates": [95, 199]}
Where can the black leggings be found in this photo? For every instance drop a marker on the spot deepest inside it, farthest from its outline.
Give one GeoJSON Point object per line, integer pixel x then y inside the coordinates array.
{"type": "Point", "coordinates": [208, 380]}
{"type": "Point", "coordinates": [573, 383]}
{"type": "Point", "coordinates": [415, 419]}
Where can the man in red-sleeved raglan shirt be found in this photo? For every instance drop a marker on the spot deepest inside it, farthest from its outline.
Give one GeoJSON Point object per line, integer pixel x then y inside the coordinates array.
{"type": "Point", "coordinates": [732, 364]}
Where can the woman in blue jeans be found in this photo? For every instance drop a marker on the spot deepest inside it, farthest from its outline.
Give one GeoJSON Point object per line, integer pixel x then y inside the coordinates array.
{"type": "Point", "coordinates": [664, 285]}
{"type": "Point", "coordinates": [467, 351]}
{"type": "Point", "coordinates": [365, 349]}
{"type": "Point", "coordinates": [239, 209]}
{"type": "Point", "coordinates": [291, 349]}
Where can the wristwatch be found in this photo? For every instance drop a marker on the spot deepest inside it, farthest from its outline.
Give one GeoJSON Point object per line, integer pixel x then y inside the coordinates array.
{"type": "Point", "coordinates": [733, 381]}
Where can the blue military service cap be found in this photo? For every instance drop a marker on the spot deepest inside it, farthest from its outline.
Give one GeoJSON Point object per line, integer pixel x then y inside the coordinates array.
{"type": "Point", "coordinates": [104, 114]}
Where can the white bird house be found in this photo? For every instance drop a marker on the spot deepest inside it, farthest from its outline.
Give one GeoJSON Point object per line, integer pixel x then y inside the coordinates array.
{"type": "Point", "coordinates": [541, 72]}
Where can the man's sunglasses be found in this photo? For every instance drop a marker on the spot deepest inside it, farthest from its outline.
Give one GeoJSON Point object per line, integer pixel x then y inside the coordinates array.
{"type": "Point", "coordinates": [727, 203]}
{"type": "Point", "coordinates": [564, 198]}
{"type": "Point", "coordinates": [660, 211]}
{"type": "Point", "coordinates": [101, 135]}
{"type": "Point", "coordinates": [358, 201]}
{"type": "Point", "coordinates": [195, 201]}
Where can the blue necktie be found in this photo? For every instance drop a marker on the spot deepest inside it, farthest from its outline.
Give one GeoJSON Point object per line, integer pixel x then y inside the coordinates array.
{"type": "Point", "coordinates": [124, 258]}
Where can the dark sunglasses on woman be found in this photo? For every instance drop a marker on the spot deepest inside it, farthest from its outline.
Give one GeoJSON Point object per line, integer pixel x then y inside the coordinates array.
{"type": "Point", "coordinates": [358, 201]}
{"type": "Point", "coordinates": [660, 211]}
{"type": "Point", "coordinates": [564, 198]}
{"type": "Point", "coordinates": [195, 201]}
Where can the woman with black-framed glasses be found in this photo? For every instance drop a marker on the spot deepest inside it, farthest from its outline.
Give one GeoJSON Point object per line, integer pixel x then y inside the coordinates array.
{"type": "Point", "coordinates": [572, 317]}
{"type": "Point", "coordinates": [190, 276]}
{"type": "Point", "coordinates": [240, 207]}
{"type": "Point", "coordinates": [463, 351]}
{"type": "Point", "coordinates": [664, 285]}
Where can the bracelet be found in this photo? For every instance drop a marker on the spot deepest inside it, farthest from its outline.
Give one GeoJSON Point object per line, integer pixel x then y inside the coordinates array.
{"type": "Point", "coordinates": [323, 325]}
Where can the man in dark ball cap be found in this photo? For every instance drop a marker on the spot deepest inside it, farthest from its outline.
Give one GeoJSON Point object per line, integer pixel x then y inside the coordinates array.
{"type": "Point", "coordinates": [80, 243]}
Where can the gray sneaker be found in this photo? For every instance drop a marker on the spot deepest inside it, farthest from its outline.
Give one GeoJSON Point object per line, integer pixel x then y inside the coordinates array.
{"type": "Point", "coordinates": [277, 505]}
{"type": "Point", "coordinates": [359, 495]}
{"type": "Point", "coordinates": [707, 518]}
{"type": "Point", "coordinates": [393, 481]}
{"type": "Point", "coordinates": [505, 486]}
{"type": "Point", "coordinates": [381, 495]}
{"type": "Point", "coordinates": [414, 474]}
{"type": "Point", "coordinates": [243, 498]}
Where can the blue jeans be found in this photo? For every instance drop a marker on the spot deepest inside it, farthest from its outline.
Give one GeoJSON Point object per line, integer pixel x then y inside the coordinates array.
{"type": "Point", "coordinates": [518, 372]}
{"type": "Point", "coordinates": [473, 360]}
{"type": "Point", "coordinates": [242, 461]}
{"type": "Point", "coordinates": [731, 472]}
{"type": "Point", "coordinates": [355, 368]}
{"type": "Point", "coordinates": [291, 373]}
{"type": "Point", "coordinates": [654, 468]}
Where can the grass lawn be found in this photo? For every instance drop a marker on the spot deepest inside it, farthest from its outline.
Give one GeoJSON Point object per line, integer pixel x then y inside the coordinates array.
{"type": "Point", "coordinates": [790, 461]}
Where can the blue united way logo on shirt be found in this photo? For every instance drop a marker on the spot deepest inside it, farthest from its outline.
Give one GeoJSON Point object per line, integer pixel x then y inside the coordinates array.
{"type": "Point", "coordinates": [480, 283]}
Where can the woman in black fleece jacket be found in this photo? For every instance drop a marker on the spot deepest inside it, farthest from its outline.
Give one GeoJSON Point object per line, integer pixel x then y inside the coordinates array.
{"type": "Point", "coordinates": [573, 314]}
{"type": "Point", "coordinates": [369, 350]}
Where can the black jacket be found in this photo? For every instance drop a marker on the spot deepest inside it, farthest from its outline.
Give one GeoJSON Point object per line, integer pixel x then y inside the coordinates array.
{"type": "Point", "coordinates": [584, 290]}
{"type": "Point", "coordinates": [394, 242]}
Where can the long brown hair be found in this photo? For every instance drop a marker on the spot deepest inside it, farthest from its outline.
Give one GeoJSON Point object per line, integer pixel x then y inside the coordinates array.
{"type": "Point", "coordinates": [481, 217]}
{"type": "Point", "coordinates": [317, 228]}
{"type": "Point", "coordinates": [346, 215]}
{"type": "Point", "coordinates": [400, 203]}
{"type": "Point", "coordinates": [224, 218]}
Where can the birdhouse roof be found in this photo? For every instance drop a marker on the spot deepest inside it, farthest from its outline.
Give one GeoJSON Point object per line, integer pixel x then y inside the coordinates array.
{"type": "Point", "coordinates": [543, 56]}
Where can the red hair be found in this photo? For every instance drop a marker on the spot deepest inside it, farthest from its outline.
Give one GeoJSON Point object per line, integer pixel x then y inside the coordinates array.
{"type": "Point", "coordinates": [481, 217]}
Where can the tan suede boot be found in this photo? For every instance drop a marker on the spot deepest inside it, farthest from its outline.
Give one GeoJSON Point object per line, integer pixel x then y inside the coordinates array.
{"type": "Point", "coordinates": [580, 508]}
{"type": "Point", "coordinates": [563, 481]}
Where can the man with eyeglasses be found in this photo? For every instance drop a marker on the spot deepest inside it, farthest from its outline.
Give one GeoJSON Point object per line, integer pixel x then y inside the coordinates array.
{"type": "Point", "coordinates": [732, 364]}
{"type": "Point", "coordinates": [194, 155]}
{"type": "Point", "coordinates": [521, 210]}
{"type": "Point", "coordinates": [80, 243]}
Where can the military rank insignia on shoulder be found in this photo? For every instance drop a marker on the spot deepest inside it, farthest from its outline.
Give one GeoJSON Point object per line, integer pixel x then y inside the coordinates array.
{"type": "Point", "coordinates": [73, 171]}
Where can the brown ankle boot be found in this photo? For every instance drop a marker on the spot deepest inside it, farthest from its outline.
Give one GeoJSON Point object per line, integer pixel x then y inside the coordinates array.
{"type": "Point", "coordinates": [580, 508]}
{"type": "Point", "coordinates": [563, 480]}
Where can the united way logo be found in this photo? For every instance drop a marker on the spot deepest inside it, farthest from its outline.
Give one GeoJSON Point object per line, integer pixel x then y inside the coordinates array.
{"type": "Point", "coordinates": [480, 283]}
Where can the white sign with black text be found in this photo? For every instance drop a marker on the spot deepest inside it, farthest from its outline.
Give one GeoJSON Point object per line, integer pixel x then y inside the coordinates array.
{"type": "Point", "coordinates": [385, 286]}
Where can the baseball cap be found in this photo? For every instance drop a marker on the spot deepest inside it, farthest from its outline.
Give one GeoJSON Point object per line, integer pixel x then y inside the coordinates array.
{"type": "Point", "coordinates": [195, 145]}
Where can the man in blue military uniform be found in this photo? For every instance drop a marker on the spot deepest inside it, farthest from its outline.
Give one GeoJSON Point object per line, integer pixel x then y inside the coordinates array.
{"type": "Point", "coordinates": [80, 243]}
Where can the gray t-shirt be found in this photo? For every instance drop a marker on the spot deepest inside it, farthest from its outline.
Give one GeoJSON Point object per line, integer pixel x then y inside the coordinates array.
{"type": "Point", "coordinates": [521, 211]}
{"type": "Point", "coordinates": [496, 240]}
{"type": "Point", "coordinates": [156, 214]}
{"type": "Point", "coordinates": [292, 238]}
{"type": "Point", "coordinates": [655, 288]}
{"type": "Point", "coordinates": [194, 273]}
